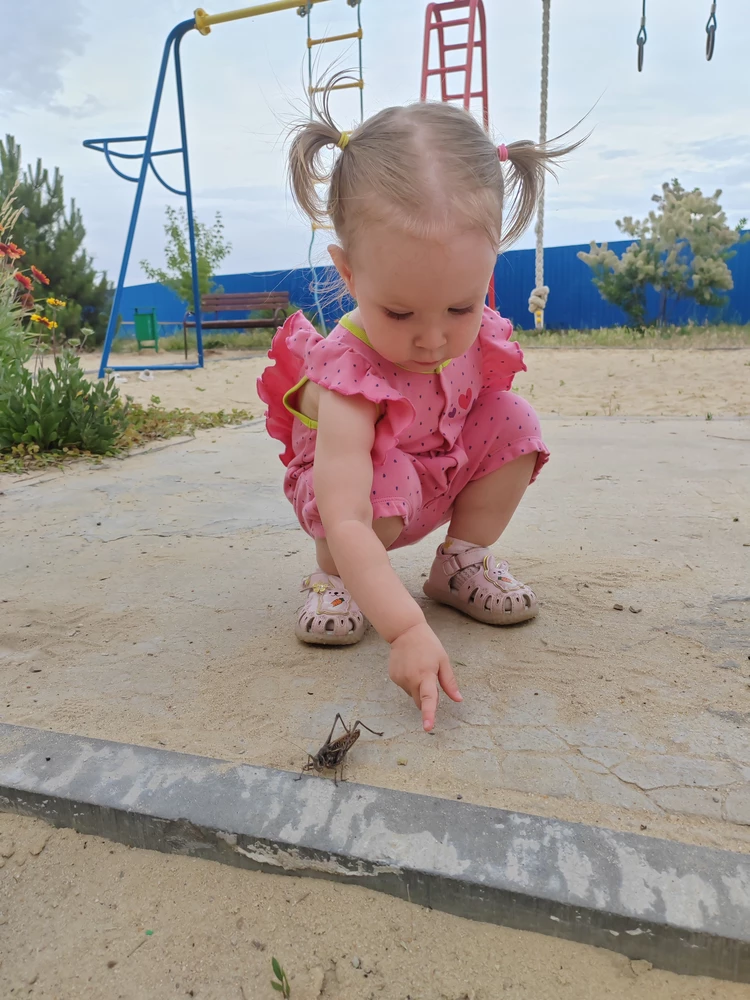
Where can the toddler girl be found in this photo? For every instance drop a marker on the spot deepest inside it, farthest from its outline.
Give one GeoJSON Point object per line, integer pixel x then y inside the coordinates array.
{"type": "Point", "coordinates": [402, 420]}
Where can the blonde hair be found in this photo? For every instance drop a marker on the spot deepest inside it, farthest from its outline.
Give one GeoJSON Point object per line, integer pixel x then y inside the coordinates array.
{"type": "Point", "coordinates": [423, 167]}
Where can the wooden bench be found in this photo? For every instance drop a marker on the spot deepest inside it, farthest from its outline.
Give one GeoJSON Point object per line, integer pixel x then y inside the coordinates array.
{"type": "Point", "coordinates": [245, 302]}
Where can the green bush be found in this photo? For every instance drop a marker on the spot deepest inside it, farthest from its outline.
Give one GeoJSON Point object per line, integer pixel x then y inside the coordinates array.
{"type": "Point", "coordinates": [681, 249]}
{"type": "Point", "coordinates": [58, 408]}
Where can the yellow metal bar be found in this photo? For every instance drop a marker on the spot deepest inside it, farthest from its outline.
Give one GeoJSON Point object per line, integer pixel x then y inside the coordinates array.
{"type": "Point", "coordinates": [358, 84]}
{"type": "Point", "coordinates": [203, 21]}
{"type": "Point", "coordinates": [334, 38]}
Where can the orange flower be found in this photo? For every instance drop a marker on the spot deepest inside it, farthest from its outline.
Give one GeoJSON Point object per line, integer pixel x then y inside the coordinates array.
{"type": "Point", "coordinates": [11, 251]}
{"type": "Point", "coordinates": [23, 280]}
{"type": "Point", "coordinates": [40, 276]}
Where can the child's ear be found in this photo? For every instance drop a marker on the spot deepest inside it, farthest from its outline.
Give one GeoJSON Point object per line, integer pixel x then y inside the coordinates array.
{"type": "Point", "coordinates": [341, 263]}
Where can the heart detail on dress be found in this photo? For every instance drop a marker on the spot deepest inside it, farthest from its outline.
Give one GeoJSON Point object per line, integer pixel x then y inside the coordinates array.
{"type": "Point", "coordinates": [464, 400]}
{"type": "Point", "coordinates": [452, 413]}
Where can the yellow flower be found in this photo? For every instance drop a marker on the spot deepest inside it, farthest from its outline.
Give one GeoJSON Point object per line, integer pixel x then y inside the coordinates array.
{"type": "Point", "coordinates": [51, 324]}
{"type": "Point", "coordinates": [56, 303]}
{"type": "Point", "coordinates": [35, 318]}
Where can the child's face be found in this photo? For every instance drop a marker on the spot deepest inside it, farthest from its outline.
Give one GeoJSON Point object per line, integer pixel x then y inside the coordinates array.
{"type": "Point", "coordinates": [420, 300]}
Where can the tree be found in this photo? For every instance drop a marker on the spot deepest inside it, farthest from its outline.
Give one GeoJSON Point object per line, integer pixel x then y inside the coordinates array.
{"type": "Point", "coordinates": [53, 238]}
{"type": "Point", "coordinates": [682, 251]}
{"type": "Point", "coordinates": [210, 251]}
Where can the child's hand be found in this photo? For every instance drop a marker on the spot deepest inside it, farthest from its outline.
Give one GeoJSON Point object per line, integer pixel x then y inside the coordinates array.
{"type": "Point", "coordinates": [418, 662]}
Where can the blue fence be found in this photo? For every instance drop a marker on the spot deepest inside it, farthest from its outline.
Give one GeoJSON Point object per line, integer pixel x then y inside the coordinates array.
{"type": "Point", "coordinates": [574, 302]}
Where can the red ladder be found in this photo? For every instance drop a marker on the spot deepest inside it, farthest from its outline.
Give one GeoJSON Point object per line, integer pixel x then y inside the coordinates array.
{"type": "Point", "coordinates": [475, 23]}
{"type": "Point", "coordinates": [476, 39]}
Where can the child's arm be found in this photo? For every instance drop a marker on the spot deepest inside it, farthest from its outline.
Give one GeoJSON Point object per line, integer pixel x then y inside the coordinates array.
{"type": "Point", "coordinates": [343, 485]}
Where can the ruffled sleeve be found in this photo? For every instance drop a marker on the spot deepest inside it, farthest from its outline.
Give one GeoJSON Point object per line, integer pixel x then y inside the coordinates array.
{"type": "Point", "coordinates": [336, 366]}
{"type": "Point", "coordinates": [502, 357]}
{"type": "Point", "coordinates": [288, 351]}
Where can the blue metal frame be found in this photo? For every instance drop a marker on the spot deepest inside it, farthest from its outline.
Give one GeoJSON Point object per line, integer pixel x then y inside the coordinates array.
{"type": "Point", "coordinates": [171, 46]}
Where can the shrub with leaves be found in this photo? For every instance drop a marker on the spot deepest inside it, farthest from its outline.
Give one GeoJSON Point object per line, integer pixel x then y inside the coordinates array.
{"type": "Point", "coordinates": [682, 251]}
{"type": "Point", "coordinates": [58, 408]}
{"type": "Point", "coordinates": [210, 251]}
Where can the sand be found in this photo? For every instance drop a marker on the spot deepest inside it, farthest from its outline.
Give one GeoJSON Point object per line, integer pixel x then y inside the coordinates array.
{"type": "Point", "coordinates": [149, 601]}
{"type": "Point", "coordinates": [567, 382]}
{"type": "Point", "coordinates": [76, 912]}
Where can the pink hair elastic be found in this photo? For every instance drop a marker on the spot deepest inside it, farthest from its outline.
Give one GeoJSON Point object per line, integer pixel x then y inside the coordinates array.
{"type": "Point", "coordinates": [502, 152]}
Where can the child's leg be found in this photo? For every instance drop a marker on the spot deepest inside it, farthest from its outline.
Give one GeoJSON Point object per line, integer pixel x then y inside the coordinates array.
{"type": "Point", "coordinates": [386, 528]}
{"type": "Point", "coordinates": [505, 449]}
{"type": "Point", "coordinates": [464, 573]}
{"type": "Point", "coordinates": [484, 507]}
{"type": "Point", "coordinates": [329, 615]}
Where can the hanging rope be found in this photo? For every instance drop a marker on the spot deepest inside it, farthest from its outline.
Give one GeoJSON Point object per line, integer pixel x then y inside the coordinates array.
{"type": "Point", "coordinates": [642, 38]}
{"type": "Point", "coordinates": [538, 298]}
{"type": "Point", "coordinates": [711, 32]}
{"type": "Point", "coordinates": [306, 10]}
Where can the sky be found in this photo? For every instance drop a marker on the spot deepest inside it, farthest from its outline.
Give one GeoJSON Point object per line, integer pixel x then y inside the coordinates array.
{"type": "Point", "coordinates": [79, 69]}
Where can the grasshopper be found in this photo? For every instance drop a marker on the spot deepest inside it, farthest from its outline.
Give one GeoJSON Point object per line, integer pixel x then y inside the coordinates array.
{"type": "Point", "coordinates": [331, 755]}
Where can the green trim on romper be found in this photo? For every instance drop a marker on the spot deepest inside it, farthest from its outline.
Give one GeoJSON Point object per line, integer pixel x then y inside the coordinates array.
{"type": "Point", "coordinates": [360, 334]}
{"type": "Point", "coordinates": [307, 421]}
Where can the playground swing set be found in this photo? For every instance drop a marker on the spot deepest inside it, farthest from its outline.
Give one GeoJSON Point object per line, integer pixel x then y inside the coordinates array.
{"type": "Point", "coordinates": [460, 29]}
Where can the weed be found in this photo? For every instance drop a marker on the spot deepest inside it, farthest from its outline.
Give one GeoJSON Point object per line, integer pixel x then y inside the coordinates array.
{"type": "Point", "coordinates": [141, 425]}
{"type": "Point", "coordinates": [611, 407]}
{"type": "Point", "coordinates": [280, 983]}
{"type": "Point", "coordinates": [709, 416]}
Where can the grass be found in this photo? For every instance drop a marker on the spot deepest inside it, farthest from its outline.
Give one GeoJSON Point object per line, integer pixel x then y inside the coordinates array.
{"type": "Point", "coordinates": [657, 337]}
{"type": "Point", "coordinates": [252, 340]}
{"type": "Point", "coordinates": [145, 424]}
{"type": "Point", "coordinates": [654, 337]}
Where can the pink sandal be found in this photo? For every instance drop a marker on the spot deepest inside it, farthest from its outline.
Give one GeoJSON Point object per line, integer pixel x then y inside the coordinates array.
{"type": "Point", "coordinates": [329, 616]}
{"type": "Point", "coordinates": [490, 594]}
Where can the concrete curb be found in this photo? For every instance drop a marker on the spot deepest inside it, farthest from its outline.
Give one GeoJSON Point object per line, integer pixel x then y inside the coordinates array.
{"type": "Point", "coordinates": [683, 908]}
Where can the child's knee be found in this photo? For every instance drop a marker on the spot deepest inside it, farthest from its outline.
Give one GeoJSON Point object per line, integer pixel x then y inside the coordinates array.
{"type": "Point", "coordinates": [388, 529]}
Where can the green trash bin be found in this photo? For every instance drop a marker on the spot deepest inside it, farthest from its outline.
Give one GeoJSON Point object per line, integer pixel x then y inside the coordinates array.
{"type": "Point", "coordinates": [146, 330]}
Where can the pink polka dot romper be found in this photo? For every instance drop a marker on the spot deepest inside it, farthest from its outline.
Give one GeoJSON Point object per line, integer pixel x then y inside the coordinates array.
{"type": "Point", "coordinates": [437, 431]}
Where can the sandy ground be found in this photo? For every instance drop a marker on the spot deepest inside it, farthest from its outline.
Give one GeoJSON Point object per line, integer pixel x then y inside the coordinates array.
{"type": "Point", "coordinates": [151, 600]}
{"type": "Point", "coordinates": [567, 382]}
{"type": "Point", "coordinates": [83, 919]}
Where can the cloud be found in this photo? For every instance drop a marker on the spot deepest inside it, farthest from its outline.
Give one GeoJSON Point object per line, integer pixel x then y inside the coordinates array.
{"type": "Point", "coordinates": [721, 149]}
{"type": "Point", "coordinates": [617, 154]}
{"type": "Point", "coordinates": [41, 44]}
{"type": "Point", "coordinates": [89, 106]}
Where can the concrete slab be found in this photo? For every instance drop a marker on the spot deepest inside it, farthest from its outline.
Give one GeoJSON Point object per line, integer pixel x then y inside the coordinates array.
{"type": "Point", "coordinates": [150, 601]}
{"type": "Point", "coordinates": [683, 908]}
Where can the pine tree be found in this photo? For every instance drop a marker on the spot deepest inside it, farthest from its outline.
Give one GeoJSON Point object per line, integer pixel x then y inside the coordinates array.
{"type": "Point", "coordinates": [681, 250]}
{"type": "Point", "coordinates": [53, 240]}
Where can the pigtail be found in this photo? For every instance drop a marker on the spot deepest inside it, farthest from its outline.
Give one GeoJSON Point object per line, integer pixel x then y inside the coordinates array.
{"type": "Point", "coordinates": [307, 169]}
{"type": "Point", "coordinates": [524, 183]}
